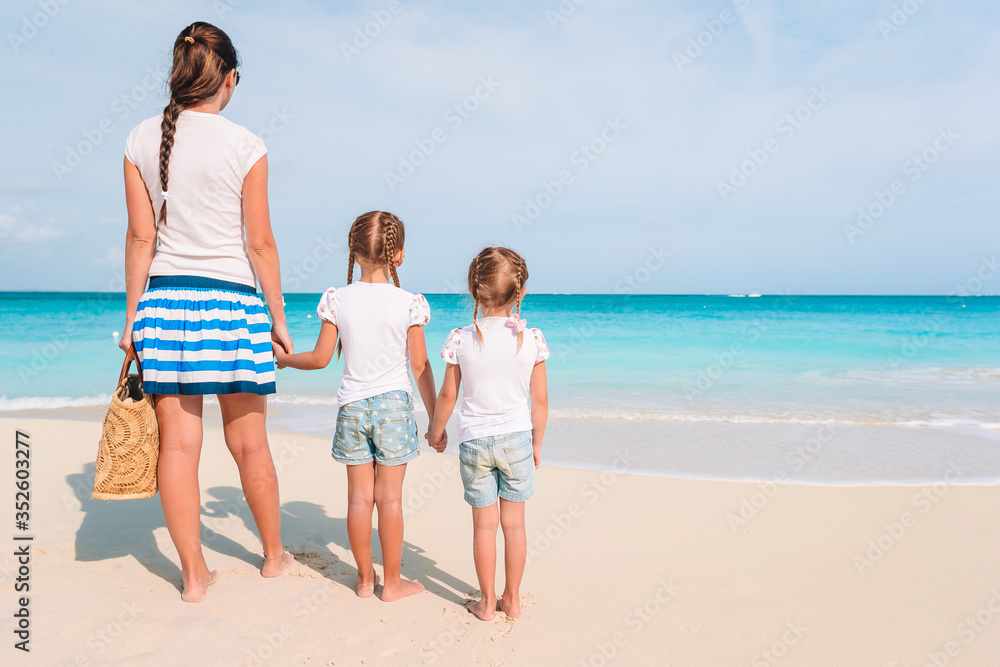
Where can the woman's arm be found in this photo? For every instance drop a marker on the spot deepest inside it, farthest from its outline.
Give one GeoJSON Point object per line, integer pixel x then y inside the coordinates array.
{"type": "Point", "coordinates": [140, 244]}
{"type": "Point", "coordinates": [421, 367]}
{"type": "Point", "coordinates": [445, 406]}
{"type": "Point", "coordinates": [539, 409]}
{"type": "Point", "coordinates": [263, 250]}
{"type": "Point", "coordinates": [316, 358]}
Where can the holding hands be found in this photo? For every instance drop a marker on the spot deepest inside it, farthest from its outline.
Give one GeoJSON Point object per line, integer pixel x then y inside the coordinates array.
{"type": "Point", "coordinates": [281, 343]}
{"type": "Point", "coordinates": [437, 441]}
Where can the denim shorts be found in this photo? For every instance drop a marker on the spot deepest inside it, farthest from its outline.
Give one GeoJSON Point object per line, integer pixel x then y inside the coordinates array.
{"type": "Point", "coordinates": [380, 429]}
{"type": "Point", "coordinates": [498, 466]}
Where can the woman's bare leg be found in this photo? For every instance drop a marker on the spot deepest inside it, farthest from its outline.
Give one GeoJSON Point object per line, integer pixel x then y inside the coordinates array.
{"type": "Point", "coordinates": [181, 433]}
{"type": "Point", "coordinates": [243, 419]}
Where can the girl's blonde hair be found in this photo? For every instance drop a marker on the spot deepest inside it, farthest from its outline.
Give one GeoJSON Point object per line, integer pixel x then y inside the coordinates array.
{"type": "Point", "coordinates": [374, 238]}
{"type": "Point", "coordinates": [203, 58]}
{"type": "Point", "coordinates": [496, 277]}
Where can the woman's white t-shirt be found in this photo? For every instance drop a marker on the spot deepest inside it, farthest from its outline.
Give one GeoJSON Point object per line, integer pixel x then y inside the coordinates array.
{"type": "Point", "coordinates": [203, 234]}
{"type": "Point", "coordinates": [372, 320]}
{"type": "Point", "coordinates": [496, 376]}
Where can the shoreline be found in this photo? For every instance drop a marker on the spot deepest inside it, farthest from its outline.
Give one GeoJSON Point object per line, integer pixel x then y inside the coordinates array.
{"type": "Point", "coordinates": [723, 569]}
{"type": "Point", "coordinates": [805, 454]}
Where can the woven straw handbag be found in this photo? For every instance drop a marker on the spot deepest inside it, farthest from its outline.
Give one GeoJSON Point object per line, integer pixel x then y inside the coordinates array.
{"type": "Point", "coordinates": [130, 441]}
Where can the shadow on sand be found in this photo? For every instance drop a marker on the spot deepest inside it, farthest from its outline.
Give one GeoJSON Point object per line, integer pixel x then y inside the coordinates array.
{"type": "Point", "coordinates": [113, 529]}
{"type": "Point", "coordinates": [308, 531]}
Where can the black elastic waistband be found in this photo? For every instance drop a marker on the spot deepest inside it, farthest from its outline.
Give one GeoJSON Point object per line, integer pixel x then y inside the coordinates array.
{"type": "Point", "coordinates": [198, 282]}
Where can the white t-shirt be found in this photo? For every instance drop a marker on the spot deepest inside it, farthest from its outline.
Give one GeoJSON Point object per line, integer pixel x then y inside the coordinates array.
{"type": "Point", "coordinates": [203, 234]}
{"type": "Point", "coordinates": [496, 376]}
{"type": "Point", "coordinates": [372, 320]}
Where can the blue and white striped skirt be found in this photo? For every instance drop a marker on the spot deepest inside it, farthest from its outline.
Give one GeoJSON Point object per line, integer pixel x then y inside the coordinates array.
{"type": "Point", "coordinates": [198, 335]}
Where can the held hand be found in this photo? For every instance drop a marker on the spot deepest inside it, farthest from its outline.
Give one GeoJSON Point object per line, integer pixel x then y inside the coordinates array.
{"type": "Point", "coordinates": [279, 355]}
{"type": "Point", "coordinates": [280, 335]}
{"type": "Point", "coordinates": [438, 441]}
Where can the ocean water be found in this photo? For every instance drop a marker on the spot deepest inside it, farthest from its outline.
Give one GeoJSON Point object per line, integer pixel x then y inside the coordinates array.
{"type": "Point", "coordinates": [645, 370]}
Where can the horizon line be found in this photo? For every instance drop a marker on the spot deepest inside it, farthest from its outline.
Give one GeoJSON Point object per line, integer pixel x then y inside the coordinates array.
{"type": "Point", "coordinates": [602, 294]}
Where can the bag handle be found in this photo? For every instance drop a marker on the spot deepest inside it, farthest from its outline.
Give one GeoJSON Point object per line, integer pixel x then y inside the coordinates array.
{"type": "Point", "coordinates": [130, 357]}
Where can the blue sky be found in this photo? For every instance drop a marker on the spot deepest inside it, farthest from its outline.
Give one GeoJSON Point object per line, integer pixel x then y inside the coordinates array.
{"type": "Point", "coordinates": [658, 147]}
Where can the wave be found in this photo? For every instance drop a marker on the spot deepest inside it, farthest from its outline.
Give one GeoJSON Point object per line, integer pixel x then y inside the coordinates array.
{"type": "Point", "coordinates": [909, 418]}
{"type": "Point", "coordinates": [761, 417]}
{"type": "Point", "coordinates": [22, 403]}
{"type": "Point", "coordinates": [975, 377]}
{"type": "Point", "coordinates": [302, 399]}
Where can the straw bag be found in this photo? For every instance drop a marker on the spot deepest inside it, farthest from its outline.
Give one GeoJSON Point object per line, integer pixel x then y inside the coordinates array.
{"type": "Point", "coordinates": [130, 441]}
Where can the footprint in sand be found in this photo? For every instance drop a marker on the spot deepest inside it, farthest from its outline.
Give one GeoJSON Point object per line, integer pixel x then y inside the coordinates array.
{"type": "Point", "coordinates": [509, 627]}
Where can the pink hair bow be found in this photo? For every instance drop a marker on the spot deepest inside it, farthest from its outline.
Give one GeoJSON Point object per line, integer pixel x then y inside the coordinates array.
{"type": "Point", "coordinates": [516, 324]}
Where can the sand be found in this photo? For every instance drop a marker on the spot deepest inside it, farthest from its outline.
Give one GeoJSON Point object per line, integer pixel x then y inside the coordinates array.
{"type": "Point", "coordinates": [623, 569]}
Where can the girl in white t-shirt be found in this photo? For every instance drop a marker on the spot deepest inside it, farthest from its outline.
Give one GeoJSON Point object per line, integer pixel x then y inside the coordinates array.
{"type": "Point", "coordinates": [380, 328]}
{"type": "Point", "coordinates": [502, 420]}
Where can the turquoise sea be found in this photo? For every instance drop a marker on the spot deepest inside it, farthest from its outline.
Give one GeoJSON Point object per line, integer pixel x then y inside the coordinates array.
{"type": "Point", "coordinates": [643, 368]}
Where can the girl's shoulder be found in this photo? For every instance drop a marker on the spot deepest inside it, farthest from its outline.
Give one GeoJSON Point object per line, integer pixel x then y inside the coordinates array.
{"type": "Point", "coordinates": [467, 330]}
{"type": "Point", "coordinates": [450, 350]}
{"type": "Point", "coordinates": [541, 347]}
{"type": "Point", "coordinates": [379, 290]}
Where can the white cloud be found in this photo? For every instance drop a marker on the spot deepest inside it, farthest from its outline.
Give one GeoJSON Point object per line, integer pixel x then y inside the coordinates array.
{"type": "Point", "coordinates": [21, 185]}
{"type": "Point", "coordinates": [114, 258]}
{"type": "Point", "coordinates": [32, 234]}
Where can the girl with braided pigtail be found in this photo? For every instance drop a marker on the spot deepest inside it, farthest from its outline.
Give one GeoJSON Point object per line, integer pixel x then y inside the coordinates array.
{"type": "Point", "coordinates": [199, 327]}
{"type": "Point", "coordinates": [378, 327]}
{"type": "Point", "coordinates": [501, 422]}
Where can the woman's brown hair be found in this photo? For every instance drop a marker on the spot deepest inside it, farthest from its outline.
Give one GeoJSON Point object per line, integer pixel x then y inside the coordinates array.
{"type": "Point", "coordinates": [374, 238]}
{"type": "Point", "coordinates": [203, 58]}
{"type": "Point", "coordinates": [497, 277]}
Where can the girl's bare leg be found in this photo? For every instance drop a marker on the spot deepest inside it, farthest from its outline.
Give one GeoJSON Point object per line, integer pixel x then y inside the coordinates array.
{"type": "Point", "coordinates": [360, 505]}
{"type": "Point", "coordinates": [484, 553]}
{"type": "Point", "coordinates": [389, 500]}
{"type": "Point", "coordinates": [515, 554]}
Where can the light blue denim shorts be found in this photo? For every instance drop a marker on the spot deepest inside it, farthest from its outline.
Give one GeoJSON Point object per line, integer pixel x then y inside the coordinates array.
{"type": "Point", "coordinates": [380, 429]}
{"type": "Point", "coordinates": [498, 466]}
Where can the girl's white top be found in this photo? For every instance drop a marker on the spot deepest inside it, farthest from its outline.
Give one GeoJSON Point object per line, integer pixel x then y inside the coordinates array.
{"type": "Point", "coordinates": [203, 234]}
{"type": "Point", "coordinates": [372, 320]}
{"type": "Point", "coordinates": [495, 376]}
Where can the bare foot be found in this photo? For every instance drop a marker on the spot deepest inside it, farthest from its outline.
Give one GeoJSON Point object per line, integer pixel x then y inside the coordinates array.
{"type": "Point", "coordinates": [366, 589]}
{"type": "Point", "coordinates": [481, 609]}
{"type": "Point", "coordinates": [194, 591]}
{"type": "Point", "coordinates": [273, 567]}
{"type": "Point", "coordinates": [403, 589]}
{"type": "Point", "coordinates": [510, 605]}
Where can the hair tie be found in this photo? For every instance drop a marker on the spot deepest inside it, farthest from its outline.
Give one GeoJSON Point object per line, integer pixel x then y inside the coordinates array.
{"type": "Point", "coordinates": [189, 39]}
{"type": "Point", "coordinates": [165, 195]}
{"type": "Point", "coordinates": [516, 323]}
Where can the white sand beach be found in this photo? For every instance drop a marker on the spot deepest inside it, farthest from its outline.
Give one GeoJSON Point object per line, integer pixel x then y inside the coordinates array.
{"type": "Point", "coordinates": [623, 569]}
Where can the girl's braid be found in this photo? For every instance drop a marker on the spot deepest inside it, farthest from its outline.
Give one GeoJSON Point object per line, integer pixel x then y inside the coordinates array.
{"type": "Point", "coordinates": [390, 246]}
{"type": "Point", "coordinates": [474, 288]}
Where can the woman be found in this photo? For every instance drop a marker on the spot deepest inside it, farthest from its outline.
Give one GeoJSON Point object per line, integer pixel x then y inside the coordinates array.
{"type": "Point", "coordinates": [200, 328]}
